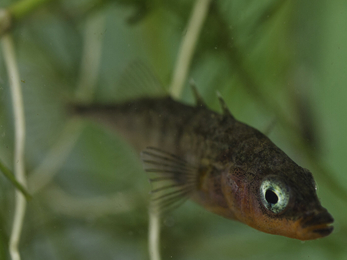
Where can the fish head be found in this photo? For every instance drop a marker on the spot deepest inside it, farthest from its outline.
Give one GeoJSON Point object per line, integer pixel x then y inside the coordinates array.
{"type": "Point", "coordinates": [281, 203]}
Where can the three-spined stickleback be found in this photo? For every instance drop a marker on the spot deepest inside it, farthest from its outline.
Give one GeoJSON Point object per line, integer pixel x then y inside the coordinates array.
{"type": "Point", "coordinates": [222, 164]}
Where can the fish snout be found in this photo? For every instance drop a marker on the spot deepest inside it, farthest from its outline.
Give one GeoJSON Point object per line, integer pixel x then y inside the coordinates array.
{"type": "Point", "coordinates": [316, 224]}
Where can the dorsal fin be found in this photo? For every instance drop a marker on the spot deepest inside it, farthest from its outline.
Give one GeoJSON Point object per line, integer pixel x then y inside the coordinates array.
{"type": "Point", "coordinates": [225, 109]}
{"type": "Point", "coordinates": [198, 99]}
{"type": "Point", "coordinates": [138, 81]}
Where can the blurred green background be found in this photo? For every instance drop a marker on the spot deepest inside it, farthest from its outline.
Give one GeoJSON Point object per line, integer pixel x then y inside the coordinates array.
{"type": "Point", "coordinates": [273, 61]}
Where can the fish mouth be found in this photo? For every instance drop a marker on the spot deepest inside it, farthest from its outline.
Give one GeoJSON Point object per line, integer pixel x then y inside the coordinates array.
{"type": "Point", "coordinates": [318, 223]}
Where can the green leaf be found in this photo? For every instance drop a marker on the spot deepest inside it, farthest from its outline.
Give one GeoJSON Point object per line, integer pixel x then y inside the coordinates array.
{"type": "Point", "coordinates": [9, 175]}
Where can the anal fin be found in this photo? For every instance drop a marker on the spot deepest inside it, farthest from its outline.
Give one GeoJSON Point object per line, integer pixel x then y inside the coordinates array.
{"type": "Point", "coordinates": [173, 179]}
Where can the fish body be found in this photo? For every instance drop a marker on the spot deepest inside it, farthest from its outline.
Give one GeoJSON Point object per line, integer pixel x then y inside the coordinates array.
{"type": "Point", "coordinates": [222, 164]}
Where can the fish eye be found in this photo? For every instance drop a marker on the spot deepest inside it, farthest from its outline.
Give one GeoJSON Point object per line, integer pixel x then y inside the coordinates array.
{"type": "Point", "coordinates": [274, 195]}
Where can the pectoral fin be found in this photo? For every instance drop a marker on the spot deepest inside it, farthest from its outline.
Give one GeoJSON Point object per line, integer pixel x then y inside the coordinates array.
{"type": "Point", "coordinates": [173, 179]}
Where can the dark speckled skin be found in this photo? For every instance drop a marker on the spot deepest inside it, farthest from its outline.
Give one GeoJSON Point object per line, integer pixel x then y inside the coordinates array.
{"type": "Point", "coordinates": [233, 159]}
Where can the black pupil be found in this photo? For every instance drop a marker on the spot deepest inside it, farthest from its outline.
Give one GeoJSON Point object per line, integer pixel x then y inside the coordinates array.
{"type": "Point", "coordinates": [271, 197]}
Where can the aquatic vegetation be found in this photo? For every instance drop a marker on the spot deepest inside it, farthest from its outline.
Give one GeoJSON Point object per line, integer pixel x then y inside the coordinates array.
{"type": "Point", "coordinates": [271, 61]}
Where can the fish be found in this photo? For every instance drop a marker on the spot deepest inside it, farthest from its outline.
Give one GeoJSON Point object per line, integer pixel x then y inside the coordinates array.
{"type": "Point", "coordinates": [222, 164]}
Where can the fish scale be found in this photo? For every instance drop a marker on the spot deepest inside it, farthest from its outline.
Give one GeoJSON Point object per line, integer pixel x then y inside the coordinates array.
{"type": "Point", "coordinates": [226, 166]}
{"type": "Point", "coordinates": [156, 122]}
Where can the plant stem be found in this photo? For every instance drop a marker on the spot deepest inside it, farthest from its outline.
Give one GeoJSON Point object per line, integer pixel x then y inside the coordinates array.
{"type": "Point", "coordinates": [154, 234]}
{"type": "Point", "coordinates": [9, 175]}
{"type": "Point", "coordinates": [187, 48]}
{"type": "Point", "coordinates": [19, 123]}
{"type": "Point", "coordinates": [91, 57]}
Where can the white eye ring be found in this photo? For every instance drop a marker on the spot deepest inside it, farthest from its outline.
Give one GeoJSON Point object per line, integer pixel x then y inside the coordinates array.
{"type": "Point", "coordinates": [274, 194]}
